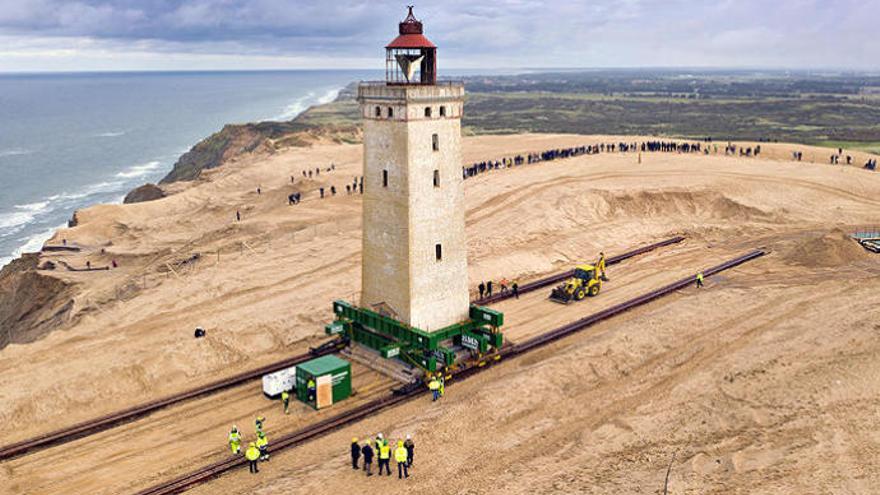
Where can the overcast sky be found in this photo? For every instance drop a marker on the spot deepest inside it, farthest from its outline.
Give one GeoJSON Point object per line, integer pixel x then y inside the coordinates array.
{"type": "Point", "coordinates": [40, 35]}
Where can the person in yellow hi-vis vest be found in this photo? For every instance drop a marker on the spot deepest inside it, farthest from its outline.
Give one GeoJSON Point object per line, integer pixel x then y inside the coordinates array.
{"type": "Point", "coordinates": [434, 387]}
{"type": "Point", "coordinates": [285, 400]}
{"type": "Point", "coordinates": [263, 445]}
{"type": "Point", "coordinates": [235, 440]}
{"type": "Point", "coordinates": [252, 454]}
{"type": "Point", "coordinates": [385, 457]}
{"type": "Point", "coordinates": [600, 267]}
{"type": "Point", "coordinates": [311, 389]}
{"type": "Point", "coordinates": [400, 455]}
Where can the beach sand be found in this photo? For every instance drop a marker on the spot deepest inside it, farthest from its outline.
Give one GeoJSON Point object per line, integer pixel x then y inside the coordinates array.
{"type": "Point", "coordinates": [763, 382]}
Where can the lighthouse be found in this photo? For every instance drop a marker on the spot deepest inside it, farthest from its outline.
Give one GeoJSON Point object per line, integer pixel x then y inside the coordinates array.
{"type": "Point", "coordinates": [414, 309]}
{"type": "Point", "coordinates": [414, 249]}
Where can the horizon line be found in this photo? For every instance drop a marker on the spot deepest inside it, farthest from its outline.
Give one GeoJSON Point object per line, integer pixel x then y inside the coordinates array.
{"type": "Point", "coordinates": [487, 69]}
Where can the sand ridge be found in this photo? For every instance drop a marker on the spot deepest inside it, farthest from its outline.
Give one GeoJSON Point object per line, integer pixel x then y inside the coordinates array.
{"type": "Point", "coordinates": [269, 296]}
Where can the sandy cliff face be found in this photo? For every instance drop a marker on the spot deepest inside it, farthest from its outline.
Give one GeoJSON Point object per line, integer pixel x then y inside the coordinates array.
{"type": "Point", "coordinates": [32, 304]}
{"type": "Point", "coordinates": [337, 122]}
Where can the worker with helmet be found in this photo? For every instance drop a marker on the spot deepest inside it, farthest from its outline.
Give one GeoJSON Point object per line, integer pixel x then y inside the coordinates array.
{"type": "Point", "coordinates": [252, 454]}
{"type": "Point", "coordinates": [285, 400]}
{"type": "Point", "coordinates": [311, 389]}
{"type": "Point", "coordinates": [355, 453]}
{"type": "Point", "coordinates": [258, 423]}
{"type": "Point", "coordinates": [434, 387]}
{"type": "Point", "coordinates": [410, 450]}
{"type": "Point", "coordinates": [400, 456]}
{"type": "Point", "coordinates": [379, 441]}
{"type": "Point", "coordinates": [367, 450]}
{"type": "Point", "coordinates": [699, 279]}
{"type": "Point", "coordinates": [385, 457]}
{"type": "Point", "coordinates": [263, 445]}
{"type": "Point", "coordinates": [235, 440]}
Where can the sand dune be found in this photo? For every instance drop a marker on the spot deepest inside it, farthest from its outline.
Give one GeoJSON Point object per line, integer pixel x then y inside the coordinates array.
{"type": "Point", "coordinates": [755, 383]}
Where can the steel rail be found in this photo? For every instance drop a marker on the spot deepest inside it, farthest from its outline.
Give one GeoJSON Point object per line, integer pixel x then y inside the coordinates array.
{"type": "Point", "coordinates": [363, 411]}
{"type": "Point", "coordinates": [559, 277]}
{"type": "Point", "coordinates": [102, 423]}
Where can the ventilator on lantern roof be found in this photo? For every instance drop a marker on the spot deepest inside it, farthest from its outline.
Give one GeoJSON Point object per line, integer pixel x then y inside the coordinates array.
{"type": "Point", "coordinates": [411, 58]}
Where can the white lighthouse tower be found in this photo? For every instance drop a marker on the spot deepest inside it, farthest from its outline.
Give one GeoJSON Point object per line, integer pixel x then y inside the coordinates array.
{"type": "Point", "coordinates": [414, 249]}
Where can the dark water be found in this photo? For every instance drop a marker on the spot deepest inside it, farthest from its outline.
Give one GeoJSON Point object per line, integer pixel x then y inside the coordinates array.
{"type": "Point", "coordinates": [72, 140]}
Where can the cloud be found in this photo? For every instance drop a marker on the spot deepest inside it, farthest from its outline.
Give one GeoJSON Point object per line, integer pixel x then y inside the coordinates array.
{"type": "Point", "coordinates": [470, 33]}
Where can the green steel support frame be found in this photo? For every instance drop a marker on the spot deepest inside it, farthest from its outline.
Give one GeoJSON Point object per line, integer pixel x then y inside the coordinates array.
{"type": "Point", "coordinates": [394, 339]}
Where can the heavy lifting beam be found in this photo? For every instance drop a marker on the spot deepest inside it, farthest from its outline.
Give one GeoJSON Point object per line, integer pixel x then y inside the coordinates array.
{"type": "Point", "coordinates": [427, 350]}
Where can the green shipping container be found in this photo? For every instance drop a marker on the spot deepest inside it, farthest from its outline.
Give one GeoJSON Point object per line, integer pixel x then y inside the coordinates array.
{"type": "Point", "coordinates": [332, 377]}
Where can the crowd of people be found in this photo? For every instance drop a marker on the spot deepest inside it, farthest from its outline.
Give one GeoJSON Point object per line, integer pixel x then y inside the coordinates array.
{"type": "Point", "coordinates": [294, 198]}
{"type": "Point", "coordinates": [380, 448]}
{"type": "Point", "coordinates": [731, 149]}
{"type": "Point", "coordinates": [361, 455]}
{"type": "Point", "coordinates": [656, 146]}
{"type": "Point", "coordinates": [706, 147]}
{"type": "Point", "coordinates": [256, 451]}
{"type": "Point", "coordinates": [593, 149]}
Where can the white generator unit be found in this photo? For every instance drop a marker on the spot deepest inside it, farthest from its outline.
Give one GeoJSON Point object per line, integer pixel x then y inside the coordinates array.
{"type": "Point", "coordinates": [275, 383]}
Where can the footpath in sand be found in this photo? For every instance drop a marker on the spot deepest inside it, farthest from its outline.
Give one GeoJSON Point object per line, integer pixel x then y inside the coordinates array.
{"type": "Point", "coordinates": [753, 383]}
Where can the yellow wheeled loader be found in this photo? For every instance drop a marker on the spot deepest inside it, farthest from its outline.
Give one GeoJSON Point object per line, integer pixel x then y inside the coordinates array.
{"type": "Point", "coordinates": [585, 282]}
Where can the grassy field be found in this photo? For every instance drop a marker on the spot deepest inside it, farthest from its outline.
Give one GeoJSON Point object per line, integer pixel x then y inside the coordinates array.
{"type": "Point", "coordinates": [866, 146]}
{"type": "Point", "coordinates": [830, 110]}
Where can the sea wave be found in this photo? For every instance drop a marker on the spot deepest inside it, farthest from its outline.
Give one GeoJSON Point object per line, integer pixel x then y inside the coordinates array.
{"type": "Point", "coordinates": [31, 244]}
{"type": "Point", "coordinates": [138, 170]}
{"type": "Point", "coordinates": [301, 104]}
{"type": "Point", "coordinates": [11, 220]}
{"type": "Point", "coordinates": [37, 207]}
{"type": "Point", "coordinates": [329, 96]}
{"type": "Point", "coordinates": [91, 190]}
{"type": "Point", "coordinates": [16, 219]}
{"type": "Point", "coordinates": [14, 152]}
{"type": "Point", "coordinates": [110, 134]}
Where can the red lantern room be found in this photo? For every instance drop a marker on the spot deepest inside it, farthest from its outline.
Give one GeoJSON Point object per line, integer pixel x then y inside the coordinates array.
{"type": "Point", "coordinates": [411, 58]}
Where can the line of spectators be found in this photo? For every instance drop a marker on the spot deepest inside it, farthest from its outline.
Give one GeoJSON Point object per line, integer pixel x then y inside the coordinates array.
{"type": "Point", "coordinates": [593, 149]}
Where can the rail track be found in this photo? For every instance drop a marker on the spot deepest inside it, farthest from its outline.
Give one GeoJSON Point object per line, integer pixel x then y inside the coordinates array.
{"type": "Point", "coordinates": [103, 423]}
{"type": "Point", "coordinates": [328, 425]}
{"type": "Point", "coordinates": [553, 279]}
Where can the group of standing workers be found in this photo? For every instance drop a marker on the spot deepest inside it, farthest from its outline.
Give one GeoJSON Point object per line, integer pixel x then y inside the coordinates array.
{"type": "Point", "coordinates": [486, 288]}
{"type": "Point", "coordinates": [403, 455]}
{"type": "Point", "coordinates": [257, 450]}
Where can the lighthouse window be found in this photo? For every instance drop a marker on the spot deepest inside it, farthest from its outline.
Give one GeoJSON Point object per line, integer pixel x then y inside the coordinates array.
{"type": "Point", "coordinates": [438, 251]}
{"type": "Point", "coordinates": [390, 112]}
{"type": "Point", "coordinates": [427, 111]}
{"type": "Point", "coordinates": [384, 178]}
{"type": "Point", "coordinates": [378, 112]}
{"type": "Point", "coordinates": [443, 111]}
{"type": "Point", "coordinates": [436, 178]}
{"type": "Point", "coordinates": [435, 142]}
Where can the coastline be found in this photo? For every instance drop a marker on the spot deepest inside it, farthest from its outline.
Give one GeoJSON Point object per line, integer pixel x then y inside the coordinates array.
{"type": "Point", "coordinates": [72, 201]}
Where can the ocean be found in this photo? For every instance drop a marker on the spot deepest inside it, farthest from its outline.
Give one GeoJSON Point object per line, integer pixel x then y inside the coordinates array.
{"type": "Point", "coordinates": [72, 140]}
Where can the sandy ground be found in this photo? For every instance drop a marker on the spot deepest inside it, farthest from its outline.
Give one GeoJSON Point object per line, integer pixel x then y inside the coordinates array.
{"type": "Point", "coordinates": [764, 382]}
